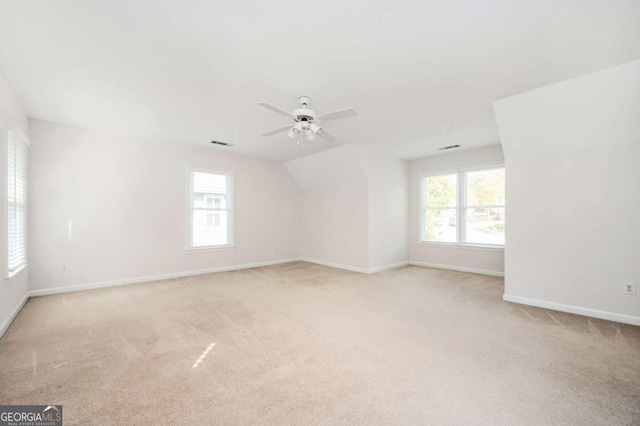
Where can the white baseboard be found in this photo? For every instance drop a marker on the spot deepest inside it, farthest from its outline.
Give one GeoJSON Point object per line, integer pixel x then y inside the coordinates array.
{"type": "Point", "coordinates": [113, 283]}
{"type": "Point", "coordinates": [353, 268]}
{"type": "Point", "coordinates": [458, 268]}
{"type": "Point", "coordinates": [5, 325]}
{"type": "Point", "coordinates": [335, 265]}
{"type": "Point", "coordinates": [587, 312]}
{"type": "Point", "coordinates": [387, 267]}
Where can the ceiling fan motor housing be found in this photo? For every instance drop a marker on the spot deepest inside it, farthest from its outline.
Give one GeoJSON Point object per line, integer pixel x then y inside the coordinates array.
{"type": "Point", "coordinates": [304, 114]}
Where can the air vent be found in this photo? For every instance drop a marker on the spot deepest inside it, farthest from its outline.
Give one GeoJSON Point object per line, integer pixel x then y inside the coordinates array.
{"type": "Point", "coordinates": [221, 143]}
{"type": "Point", "coordinates": [448, 147]}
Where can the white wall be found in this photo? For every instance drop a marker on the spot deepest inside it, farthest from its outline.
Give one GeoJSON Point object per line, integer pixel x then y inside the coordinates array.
{"type": "Point", "coordinates": [335, 225]}
{"type": "Point", "coordinates": [354, 208]}
{"type": "Point", "coordinates": [572, 151]}
{"type": "Point", "coordinates": [126, 200]}
{"type": "Point", "coordinates": [485, 260]}
{"type": "Point", "coordinates": [13, 290]}
{"type": "Point", "coordinates": [335, 207]}
{"type": "Point", "coordinates": [388, 208]}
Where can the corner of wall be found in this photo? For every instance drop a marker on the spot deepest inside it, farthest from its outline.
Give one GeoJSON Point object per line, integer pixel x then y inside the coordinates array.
{"type": "Point", "coordinates": [13, 291]}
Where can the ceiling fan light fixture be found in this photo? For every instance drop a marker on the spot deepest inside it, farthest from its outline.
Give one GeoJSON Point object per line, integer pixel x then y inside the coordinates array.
{"type": "Point", "coordinates": [295, 130]}
{"type": "Point", "coordinates": [315, 129]}
{"type": "Point", "coordinates": [310, 135]}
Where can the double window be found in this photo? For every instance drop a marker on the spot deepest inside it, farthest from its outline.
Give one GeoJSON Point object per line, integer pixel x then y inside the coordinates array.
{"type": "Point", "coordinates": [463, 206]}
{"type": "Point", "coordinates": [210, 208]}
{"type": "Point", "coordinates": [17, 153]}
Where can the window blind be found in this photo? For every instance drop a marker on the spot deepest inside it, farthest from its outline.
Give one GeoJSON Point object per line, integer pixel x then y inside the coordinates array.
{"type": "Point", "coordinates": [17, 153]}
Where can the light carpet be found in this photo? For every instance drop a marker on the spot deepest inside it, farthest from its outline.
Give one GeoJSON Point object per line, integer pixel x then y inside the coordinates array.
{"type": "Point", "coordinates": [306, 344]}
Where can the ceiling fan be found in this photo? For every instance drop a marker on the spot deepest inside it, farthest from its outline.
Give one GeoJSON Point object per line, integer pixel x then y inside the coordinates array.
{"type": "Point", "coordinates": [306, 126]}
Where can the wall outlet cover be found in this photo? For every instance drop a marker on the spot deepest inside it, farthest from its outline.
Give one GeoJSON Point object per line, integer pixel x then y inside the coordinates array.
{"type": "Point", "coordinates": [629, 288]}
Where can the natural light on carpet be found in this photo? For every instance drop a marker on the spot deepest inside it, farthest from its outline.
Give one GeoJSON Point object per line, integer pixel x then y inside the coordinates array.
{"type": "Point", "coordinates": [204, 354]}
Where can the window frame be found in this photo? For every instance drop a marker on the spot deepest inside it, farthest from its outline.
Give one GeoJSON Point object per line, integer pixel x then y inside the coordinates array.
{"type": "Point", "coordinates": [230, 199]}
{"type": "Point", "coordinates": [213, 213]}
{"type": "Point", "coordinates": [20, 137]}
{"type": "Point", "coordinates": [461, 206]}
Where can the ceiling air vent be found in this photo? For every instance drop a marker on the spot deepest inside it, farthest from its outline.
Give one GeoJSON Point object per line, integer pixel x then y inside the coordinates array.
{"type": "Point", "coordinates": [448, 147]}
{"type": "Point", "coordinates": [221, 143]}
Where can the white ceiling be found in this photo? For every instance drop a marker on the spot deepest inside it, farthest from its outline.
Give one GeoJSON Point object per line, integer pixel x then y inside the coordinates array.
{"type": "Point", "coordinates": [421, 73]}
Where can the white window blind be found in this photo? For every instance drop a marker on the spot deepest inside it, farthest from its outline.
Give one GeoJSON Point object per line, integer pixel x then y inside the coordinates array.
{"type": "Point", "coordinates": [210, 208]}
{"type": "Point", "coordinates": [17, 152]}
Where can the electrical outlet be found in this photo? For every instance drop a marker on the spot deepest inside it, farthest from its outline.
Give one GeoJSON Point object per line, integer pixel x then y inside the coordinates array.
{"type": "Point", "coordinates": [65, 267]}
{"type": "Point", "coordinates": [629, 288]}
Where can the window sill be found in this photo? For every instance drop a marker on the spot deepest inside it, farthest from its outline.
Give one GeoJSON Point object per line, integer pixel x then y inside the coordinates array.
{"type": "Point", "coordinates": [16, 272]}
{"type": "Point", "coordinates": [462, 246]}
{"type": "Point", "coordinates": [191, 250]}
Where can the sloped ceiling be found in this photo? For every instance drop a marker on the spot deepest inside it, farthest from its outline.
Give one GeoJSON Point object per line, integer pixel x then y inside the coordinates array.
{"type": "Point", "coordinates": [421, 73]}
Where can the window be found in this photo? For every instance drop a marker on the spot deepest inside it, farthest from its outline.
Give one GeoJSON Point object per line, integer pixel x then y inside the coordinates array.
{"type": "Point", "coordinates": [210, 208]}
{"type": "Point", "coordinates": [17, 151]}
{"type": "Point", "coordinates": [465, 206]}
{"type": "Point", "coordinates": [214, 219]}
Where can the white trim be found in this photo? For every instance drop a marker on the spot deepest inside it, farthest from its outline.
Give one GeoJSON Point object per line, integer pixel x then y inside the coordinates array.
{"type": "Point", "coordinates": [126, 281]}
{"type": "Point", "coordinates": [387, 267]}
{"type": "Point", "coordinates": [475, 167]}
{"type": "Point", "coordinates": [209, 249]}
{"type": "Point", "coordinates": [231, 208]}
{"type": "Point", "coordinates": [12, 316]}
{"type": "Point", "coordinates": [5, 194]}
{"type": "Point", "coordinates": [587, 312]}
{"type": "Point", "coordinates": [354, 268]}
{"type": "Point", "coordinates": [486, 247]}
{"type": "Point", "coordinates": [454, 171]}
{"type": "Point", "coordinates": [335, 265]}
{"type": "Point", "coordinates": [12, 274]}
{"type": "Point", "coordinates": [461, 201]}
{"type": "Point", "coordinates": [458, 268]}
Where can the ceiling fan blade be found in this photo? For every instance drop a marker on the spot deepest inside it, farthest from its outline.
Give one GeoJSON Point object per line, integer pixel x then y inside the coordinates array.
{"type": "Point", "coordinates": [275, 109]}
{"type": "Point", "coordinates": [327, 136]}
{"type": "Point", "coordinates": [343, 113]}
{"type": "Point", "coordinates": [276, 131]}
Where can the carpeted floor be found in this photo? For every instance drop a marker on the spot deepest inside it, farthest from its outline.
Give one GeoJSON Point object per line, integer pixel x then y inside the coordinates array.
{"type": "Point", "coordinates": [305, 344]}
